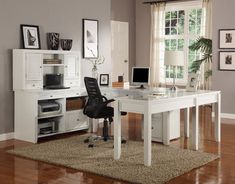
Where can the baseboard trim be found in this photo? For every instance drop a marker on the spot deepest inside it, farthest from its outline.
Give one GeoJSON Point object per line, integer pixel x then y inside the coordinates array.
{"type": "Point", "coordinates": [7, 136]}
{"type": "Point", "coordinates": [225, 115]}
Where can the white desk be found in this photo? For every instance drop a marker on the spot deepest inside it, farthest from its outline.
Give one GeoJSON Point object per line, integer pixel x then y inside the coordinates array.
{"type": "Point", "coordinates": [150, 104]}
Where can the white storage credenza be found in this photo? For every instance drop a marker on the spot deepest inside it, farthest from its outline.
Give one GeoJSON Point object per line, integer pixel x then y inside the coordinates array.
{"type": "Point", "coordinates": [27, 118]}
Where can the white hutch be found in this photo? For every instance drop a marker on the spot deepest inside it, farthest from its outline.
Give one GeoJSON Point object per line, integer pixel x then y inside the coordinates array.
{"type": "Point", "coordinates": [29, 70]}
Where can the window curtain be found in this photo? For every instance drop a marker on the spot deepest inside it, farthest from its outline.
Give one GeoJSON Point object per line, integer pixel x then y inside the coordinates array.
{"type": "Point", "coordinates": [157, 31]}
{"type": "Point", "coordinates": [207, 33]}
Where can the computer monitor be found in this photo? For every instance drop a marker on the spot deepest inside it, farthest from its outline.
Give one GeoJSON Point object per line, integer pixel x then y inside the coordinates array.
{"type": "Point", "coordinates": [140, 76]}
{"type": "Point", "coordinates": [53, 80]}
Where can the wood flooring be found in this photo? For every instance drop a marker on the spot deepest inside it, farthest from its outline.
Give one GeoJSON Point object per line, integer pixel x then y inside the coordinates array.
{"type": "Point", "coordinates": [16, 170]}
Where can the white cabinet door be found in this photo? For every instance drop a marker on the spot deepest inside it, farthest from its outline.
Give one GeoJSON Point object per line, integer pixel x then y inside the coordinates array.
{"type": "Point", "coordinates": [71, 67]}
{"type": "Point", "coordinates": [34, 67]}
{"type": "Point", "coordinates": [76, 120]}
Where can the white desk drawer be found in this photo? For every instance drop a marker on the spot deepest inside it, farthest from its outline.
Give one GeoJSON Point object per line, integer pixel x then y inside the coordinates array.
{"type": "Point", "coordinates": [74, 93]}
{"type": "Point", "coordinates": [44, 96]}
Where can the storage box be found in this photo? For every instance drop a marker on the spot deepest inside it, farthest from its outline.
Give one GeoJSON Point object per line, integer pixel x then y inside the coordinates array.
{"type": "Point", "coordinates": [75, 103]}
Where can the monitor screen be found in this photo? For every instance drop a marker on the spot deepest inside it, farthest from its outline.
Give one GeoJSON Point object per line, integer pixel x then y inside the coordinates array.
{"type": "Point", "coordinates": [140, 75]}
{"type": "Point", "coordinates": [53, 80]}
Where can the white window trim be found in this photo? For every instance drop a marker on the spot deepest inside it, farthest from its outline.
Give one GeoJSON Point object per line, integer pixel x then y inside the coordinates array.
{"type": "Point", "coordinates": [173, 6]}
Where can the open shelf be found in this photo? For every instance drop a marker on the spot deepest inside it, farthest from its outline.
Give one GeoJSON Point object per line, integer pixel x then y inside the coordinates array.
{"type": "Point", "coordinates": [50, 134]}
{"type": "Point", "coordinates": [50, 116]}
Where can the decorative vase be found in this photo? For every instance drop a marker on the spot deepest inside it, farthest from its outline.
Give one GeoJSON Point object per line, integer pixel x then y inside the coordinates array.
{"type": "Point", "coordinates": [95, 72]}
{"type": "Point", "coordinates": [53, 41]}
{"type": "Point", "coordinates": [66, 44]}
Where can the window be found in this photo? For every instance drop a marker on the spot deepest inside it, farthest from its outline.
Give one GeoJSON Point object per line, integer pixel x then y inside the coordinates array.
{"type": "Point", "coordinates": [182, 26]}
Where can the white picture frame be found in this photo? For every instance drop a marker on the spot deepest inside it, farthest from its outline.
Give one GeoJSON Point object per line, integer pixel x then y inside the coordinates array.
{"type": "Point", "coordinates": [227, 38]}
{"type": "Point", "coordinates": [193, 82]}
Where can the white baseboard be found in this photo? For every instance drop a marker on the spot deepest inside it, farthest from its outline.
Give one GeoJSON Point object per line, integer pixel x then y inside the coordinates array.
{"type": "Point", "coordinates": [225, 115]}
{"type": "Point", "coordinates": [7, 136]}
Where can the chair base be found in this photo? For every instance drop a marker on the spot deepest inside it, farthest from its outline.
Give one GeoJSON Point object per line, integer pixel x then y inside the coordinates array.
{"type": "Point", "coordinates": [92, 139]}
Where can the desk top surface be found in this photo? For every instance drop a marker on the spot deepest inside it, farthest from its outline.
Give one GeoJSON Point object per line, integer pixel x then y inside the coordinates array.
{"type": "Point", "coordinates": [163, 93]}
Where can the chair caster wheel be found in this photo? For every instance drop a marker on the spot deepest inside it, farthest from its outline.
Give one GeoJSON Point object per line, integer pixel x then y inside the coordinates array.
{"type": "Point", "coordinates": [123, 141]}
{"type": "Point", "coordinates": [86, 141]}
{"type": "Point", "coordinates": [91, 146]}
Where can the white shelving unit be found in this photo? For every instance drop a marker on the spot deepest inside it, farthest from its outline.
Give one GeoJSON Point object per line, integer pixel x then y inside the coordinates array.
{"type": "Point", "coordinates": [29, 69]}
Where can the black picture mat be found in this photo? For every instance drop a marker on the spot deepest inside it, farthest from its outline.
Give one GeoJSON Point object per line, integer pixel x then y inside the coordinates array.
{"type": "Point", "coordinates": [221, 30]}
{"type": "Point", "coordinates": [219, 63]}
{"type": "Point", "coordinates": [83, 37]}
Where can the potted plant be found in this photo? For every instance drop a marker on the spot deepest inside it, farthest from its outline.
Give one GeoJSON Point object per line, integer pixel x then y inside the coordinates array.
{"type": "Point", "coordinates": [204, 45]}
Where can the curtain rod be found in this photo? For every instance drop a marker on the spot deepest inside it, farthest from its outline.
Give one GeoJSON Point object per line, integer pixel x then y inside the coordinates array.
{"type": "Point", "coordinates": [162, 1]}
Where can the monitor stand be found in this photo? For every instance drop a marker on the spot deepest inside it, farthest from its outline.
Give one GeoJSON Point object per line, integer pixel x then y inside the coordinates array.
{"type": "Point", "coordinates": [141, 87]}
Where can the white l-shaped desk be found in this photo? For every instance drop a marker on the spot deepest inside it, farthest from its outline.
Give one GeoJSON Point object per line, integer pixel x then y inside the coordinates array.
{"type": "Point", "coordinates": [150, 104]}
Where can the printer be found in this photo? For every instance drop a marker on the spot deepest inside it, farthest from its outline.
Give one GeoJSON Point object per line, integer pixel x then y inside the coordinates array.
{"type": "Point", "coordinates": [48, 108]}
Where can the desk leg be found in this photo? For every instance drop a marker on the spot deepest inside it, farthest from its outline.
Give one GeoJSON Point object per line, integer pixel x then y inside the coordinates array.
{"type": "Point", "coordinates": [195, 131]}
{"type": "Point", "coordinates": [186, 122]}
{"type": "Point", "coordinates": [218, 119]}
{"type": "Point", "coordinates": [117, 131]}
{"type": "Point", "coordinates": [167, 118]}
{"type": "Point", "coordinates": [147, 139]}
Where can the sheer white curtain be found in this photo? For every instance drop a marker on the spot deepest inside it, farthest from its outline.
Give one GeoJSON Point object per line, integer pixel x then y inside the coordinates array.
{"type": "Point", "coordinates": [156, 41]}
{"type": "Point", "coordinates": [207, 33]}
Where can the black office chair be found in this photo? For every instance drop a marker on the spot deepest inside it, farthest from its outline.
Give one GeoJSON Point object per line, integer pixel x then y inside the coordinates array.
{"type": "Point", "coordinates": [96, 108]}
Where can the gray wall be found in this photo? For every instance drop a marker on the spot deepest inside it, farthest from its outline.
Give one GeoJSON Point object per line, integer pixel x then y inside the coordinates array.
{"type": "Point", "coordinates": [124, 11]}
{"type": "Point", "coordinates": [63, 16]}
{"type": "Point", "coordinates": [143, 22]}
{"type": "Point", "coordinates": [223, 18]}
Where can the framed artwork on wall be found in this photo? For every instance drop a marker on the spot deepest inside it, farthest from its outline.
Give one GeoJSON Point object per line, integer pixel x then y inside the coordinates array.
{"type": "Point", "coordinates": [193, 82]}
{"type": "Point", "coordinates": [227, 38]}
{"type": "Point", "coordinates": [30, 36]}
{"type": "Point", "coordinates": [227, 60]}
{"type": "Point", "coordinates": [104, 79]}
{"type": "Point", "coordinates": [90, 38]}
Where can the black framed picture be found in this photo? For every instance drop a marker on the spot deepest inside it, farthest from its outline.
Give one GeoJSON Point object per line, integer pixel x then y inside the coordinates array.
{"type": "Point", "coordinates": [227, 60]}
{"type": "Point", "coordinates": [227, 38]}
{"type": "Point", "coordinates": [104, 79]}
{"type": "Point", "coordinates": [30, 36]}
{"type": "Point", "coordinates": [90, 38]}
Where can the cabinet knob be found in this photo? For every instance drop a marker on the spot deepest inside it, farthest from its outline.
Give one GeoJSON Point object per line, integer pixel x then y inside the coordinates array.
{"type": "Point", "coordinates": [40, 66]}
{"type": "Point", "coordinates": [152, 128]}
{"type": "Point", "coordinates": [51, 96]}
{"type": "Point", "coordinates": [78, 119]}
{"type": "Point", "coordinates": [33, 85]}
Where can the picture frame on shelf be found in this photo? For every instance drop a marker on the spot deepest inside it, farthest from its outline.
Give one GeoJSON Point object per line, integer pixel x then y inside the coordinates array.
{"type": "Point", "coordinates": [30, 36]}
{"type": "Point", "coordinates": [90, 38]}
{"type": "Point", "coordinates": [227, 60]}
{"type": "Point", "coordinates": [104, 79]}
{"type": "Point", "coordinates": [193, 82]}
{"type": "Point", "coordinates": [227, 38]}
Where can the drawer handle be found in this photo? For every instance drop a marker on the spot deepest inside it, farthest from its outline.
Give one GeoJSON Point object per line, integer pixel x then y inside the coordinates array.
{"type": "Point", "coordinates": [51, 96]}
{"type": "Point", "coordinates": [78, 119]}
{"type": "Point", "coordinates": [77, 93]}
{"type": "Point", "coordinates": [152, 128]}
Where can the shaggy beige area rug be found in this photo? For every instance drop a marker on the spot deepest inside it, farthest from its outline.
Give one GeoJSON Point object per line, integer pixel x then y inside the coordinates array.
{"type": "Point", "coordinates": [167, 162]}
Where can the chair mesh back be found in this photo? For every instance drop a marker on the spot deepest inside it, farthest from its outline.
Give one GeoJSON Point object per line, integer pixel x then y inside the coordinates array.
{"type": "Point", "coordinates": [93, 90]}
